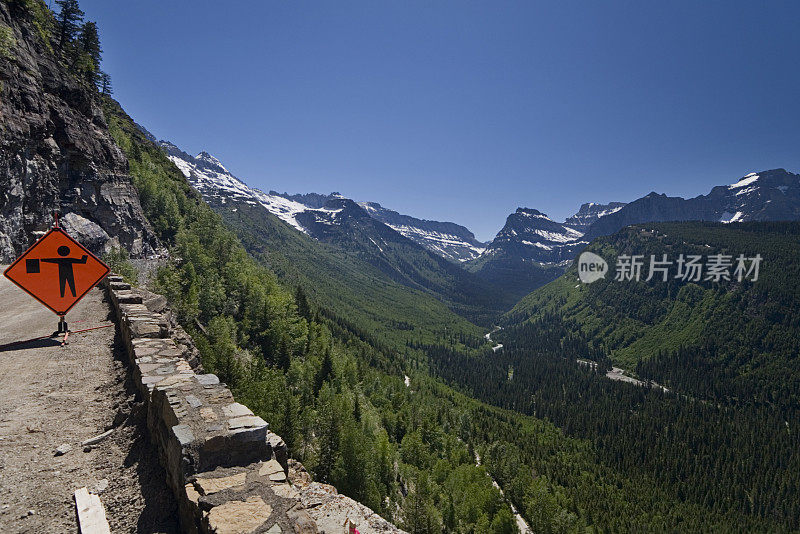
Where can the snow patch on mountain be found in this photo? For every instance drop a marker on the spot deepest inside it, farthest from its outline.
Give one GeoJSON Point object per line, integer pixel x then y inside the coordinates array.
{"type": "Point", "coordinates": [603, 213]}
{"type": "Point", "coordinates": [449, 240]}
{"type": "Point", "coordinates": [441, 243]}
{"type": "Point", "coordinates": [567, 236]}
{"type": "Point", "coordinates": [535, 215]}
{"type": "Point", "coordinates": [591, 212]}
{"type": "Point", "coordinates": [745, 181]}
{"type": "Point", "coordinates": [207, 174]}
{"type": "Point", "coordinates": [285, 210]}
{"type": "Point", "coordinates": [728, 217]}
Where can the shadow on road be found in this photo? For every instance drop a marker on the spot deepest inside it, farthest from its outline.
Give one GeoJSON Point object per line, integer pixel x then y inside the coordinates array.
{"type": "Point", "coordinates": [34, 343]}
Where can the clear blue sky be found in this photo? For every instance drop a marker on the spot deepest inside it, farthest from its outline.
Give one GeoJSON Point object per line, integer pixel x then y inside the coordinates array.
{"type": "Point", "coordinates": [462, 110]}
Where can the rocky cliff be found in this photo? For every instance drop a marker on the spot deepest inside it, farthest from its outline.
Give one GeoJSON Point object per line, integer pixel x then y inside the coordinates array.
{"type": "Point", "coordinates": [55, 149]}
{"type": "Point", "coordinates": [449, 240]}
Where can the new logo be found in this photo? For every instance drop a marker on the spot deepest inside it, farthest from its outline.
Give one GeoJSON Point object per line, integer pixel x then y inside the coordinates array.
{"type": "Point", "coordinates": [591, 267]}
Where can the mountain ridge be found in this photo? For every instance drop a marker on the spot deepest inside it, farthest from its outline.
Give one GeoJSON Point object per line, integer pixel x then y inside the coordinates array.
{"type": "Point", "coordinates": [768, 195]}
{"type": "Point", "coordinates": [524, 253]}
{"type": "Point", "coordinates": [449, 240]}
{"type": "Point", "coordinates": [346, 225]}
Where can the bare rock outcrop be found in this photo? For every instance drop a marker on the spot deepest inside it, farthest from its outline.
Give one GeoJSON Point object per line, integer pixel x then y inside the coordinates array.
{"type": "Point", "coordinates": [56, 152]}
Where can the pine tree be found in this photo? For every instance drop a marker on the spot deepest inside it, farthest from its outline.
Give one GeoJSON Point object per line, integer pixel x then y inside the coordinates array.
{"type": "Point", "coordinates": [104, 84]}
{"type": "Point", "coordinates": [222, 337]}
{"type": "Point", "coordinates": [356, 409]}
{"type": "Point", "coordinates": [303, 307]}
{"type": "Point", "coordinates": [325, 371]}
{"type": "Point", "coordinates": [419, 515]}
{"type": "Point", "coordinates": [67, 24]}
{"type": "Point", "coordinates": [353, 472]}
{"type": "Point", "coordinates": [283, 359]}
{"type": "Point", "coordinates": [289, 421]}
{"type": "Point", "coordinates": [503, 522]}
{"type": "Point", "coordinates": [329, 428]}
{"type": "Point", "coordinates": [89, 45]}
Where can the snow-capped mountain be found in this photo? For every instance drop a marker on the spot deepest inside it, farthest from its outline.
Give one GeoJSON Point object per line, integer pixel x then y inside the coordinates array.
{"type": "Point", "coordinates": [764, 196]}
{"type": "Point", "coordinates": [310, 213]}
{"type": "Point", "coordinates": [532, 236]}
{"type": "Point", "coordinates": [529, 251]}
{"type": "Point", "coordinates": [449, 240]}
{"type": "Point", "coordinates": [346, 239]}
{"type": "Point", "coordinates": [590, 212]}
{"type": "Point", "coordinates": [532, 249]}
{"type": "Point", "coordinates": [207, 174]}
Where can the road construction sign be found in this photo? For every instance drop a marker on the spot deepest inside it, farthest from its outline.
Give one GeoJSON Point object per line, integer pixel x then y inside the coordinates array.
{"type": "Point", "coordinates": [57, 271]}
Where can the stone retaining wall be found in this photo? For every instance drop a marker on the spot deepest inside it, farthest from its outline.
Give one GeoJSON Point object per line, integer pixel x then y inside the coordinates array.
{"type": "Point", "coordinates": [229, 473]}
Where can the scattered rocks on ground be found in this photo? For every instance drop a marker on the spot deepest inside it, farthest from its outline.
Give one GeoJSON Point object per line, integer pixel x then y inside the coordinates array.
{"type": "Point", "coordinates": [101, 486]}
{"type": "Point", "coordinates": [63, 449]}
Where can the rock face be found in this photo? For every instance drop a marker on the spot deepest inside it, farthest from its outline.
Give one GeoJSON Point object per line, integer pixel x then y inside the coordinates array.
{"type": "Point", "coordinates": [342, 219]}
{"type": "Point", "coordinates": [532, 236]}
{"type": "Point", "coordinates": [590, 212]}
{"type": "Point", "coordinates": [56, 153]}
{"type": "Point", "coordinates": [449, 240]}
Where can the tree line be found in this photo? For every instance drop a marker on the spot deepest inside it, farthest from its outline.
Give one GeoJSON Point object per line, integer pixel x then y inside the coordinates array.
{"type": "Point", "coordinates": [74, 42]}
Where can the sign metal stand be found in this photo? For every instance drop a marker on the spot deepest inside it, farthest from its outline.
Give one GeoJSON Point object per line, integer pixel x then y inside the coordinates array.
{"type": "Point", "coordinates": [63, 327]}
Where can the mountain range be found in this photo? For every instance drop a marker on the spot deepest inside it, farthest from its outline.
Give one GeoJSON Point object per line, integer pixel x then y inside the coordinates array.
{"type": "Point", "coordinates": [530, 250]}
{"type": "Point", "coordinates": [772, 195]}
{"type": "Point", "coordinates": [334, 235]}
{"type": "Point", "coordinates": [307, 212]}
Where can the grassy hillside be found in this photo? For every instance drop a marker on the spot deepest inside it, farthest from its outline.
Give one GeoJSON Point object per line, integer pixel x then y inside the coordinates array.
{"type": "Point", "coordinates": [633, 320]}
{"type": "Point", "coordinates": [358, 285]}
{"type": "Point", "coordinates": [747, 334]}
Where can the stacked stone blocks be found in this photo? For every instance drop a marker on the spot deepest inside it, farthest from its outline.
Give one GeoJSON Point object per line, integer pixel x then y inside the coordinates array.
{"type": "Point", "coordinates": [228, 472]}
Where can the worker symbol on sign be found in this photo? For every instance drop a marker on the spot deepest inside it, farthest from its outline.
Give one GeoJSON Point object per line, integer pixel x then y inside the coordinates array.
{"type": "Point", "coordinates": [57, 271]}
{"type": "Point", "coordinates": [66, 273]}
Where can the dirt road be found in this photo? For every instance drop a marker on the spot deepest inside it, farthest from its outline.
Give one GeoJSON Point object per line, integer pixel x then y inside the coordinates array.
{"type": "Point", "coordinates": [51, 395]}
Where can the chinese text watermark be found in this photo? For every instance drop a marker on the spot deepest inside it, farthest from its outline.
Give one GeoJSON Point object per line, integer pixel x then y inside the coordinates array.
{"type": "Point", "coordinates": [687, 268]}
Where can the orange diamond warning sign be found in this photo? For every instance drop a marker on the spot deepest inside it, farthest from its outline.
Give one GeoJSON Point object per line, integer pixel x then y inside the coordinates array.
{"type": "Point", "coordinates": [57, 271]}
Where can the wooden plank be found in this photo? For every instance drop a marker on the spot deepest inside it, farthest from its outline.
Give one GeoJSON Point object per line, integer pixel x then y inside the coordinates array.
{"type": "Point", "coordinates": [91, 514]}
